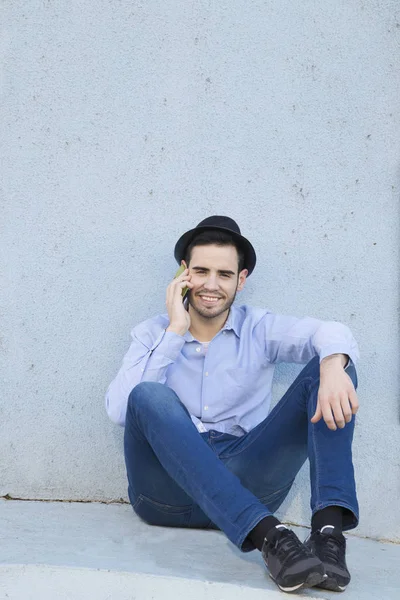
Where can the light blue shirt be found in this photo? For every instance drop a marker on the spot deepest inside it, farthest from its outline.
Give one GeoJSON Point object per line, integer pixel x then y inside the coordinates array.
{"type": "Point", "coordinates": [227, 385]}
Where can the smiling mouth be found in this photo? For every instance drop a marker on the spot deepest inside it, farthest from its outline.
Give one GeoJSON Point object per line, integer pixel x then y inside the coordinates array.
{"type": "Point", "coordinates": [209, 299]}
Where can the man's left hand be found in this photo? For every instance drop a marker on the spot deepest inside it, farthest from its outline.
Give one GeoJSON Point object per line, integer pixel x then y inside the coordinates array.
{"type": "Point", "coordinates": [337, 398]}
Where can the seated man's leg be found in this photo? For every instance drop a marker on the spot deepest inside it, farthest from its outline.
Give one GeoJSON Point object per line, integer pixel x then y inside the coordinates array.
{"type": "Point", "coordinates": [268, 458]}
{"type": "Point", "coordinates": [154, 495]}
{"type": "Point", "coordinates": [172, 471]}
{"type": "Point", "coordinates": [159, 428]}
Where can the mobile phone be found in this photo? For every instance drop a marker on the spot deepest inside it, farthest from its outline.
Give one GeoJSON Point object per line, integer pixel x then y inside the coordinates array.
{"type": "Point", "coordinates": [179, 272]}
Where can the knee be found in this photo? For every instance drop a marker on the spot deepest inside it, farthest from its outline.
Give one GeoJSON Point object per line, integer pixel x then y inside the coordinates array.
{"type": "Point", "coordinates": [151, 396]}
{"type": "Point", "coordinates": [144, 394]}
{"type": "Point", "coordinates": [146, 389]}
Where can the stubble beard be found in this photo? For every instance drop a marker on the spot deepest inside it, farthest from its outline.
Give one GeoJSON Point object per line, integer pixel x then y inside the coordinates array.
{"type": "Point", "coordinates": [210, 313]}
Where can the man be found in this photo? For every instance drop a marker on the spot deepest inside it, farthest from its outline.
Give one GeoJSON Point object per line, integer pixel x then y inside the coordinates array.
{"type": "Point", "coordinates": [193, 393]}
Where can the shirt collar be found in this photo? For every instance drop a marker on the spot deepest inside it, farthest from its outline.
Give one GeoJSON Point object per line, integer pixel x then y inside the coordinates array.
{"type": "Point", "coordinates": [232, 323]}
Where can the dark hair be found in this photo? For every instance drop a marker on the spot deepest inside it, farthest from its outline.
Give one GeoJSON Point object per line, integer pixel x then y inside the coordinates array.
{"type": "Point", "coordinates": [219, 238]}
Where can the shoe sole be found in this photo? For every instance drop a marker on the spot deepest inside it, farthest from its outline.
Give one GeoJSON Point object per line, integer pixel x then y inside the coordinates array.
{"type": "Point", "coordinates": [312, 580]}
{"type": "Point", "coordinates": [331, 584]}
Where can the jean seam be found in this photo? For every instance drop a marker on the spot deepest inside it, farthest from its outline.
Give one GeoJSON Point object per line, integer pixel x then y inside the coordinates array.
{"type": "Point", "coordinates": [235, 527]}
{"type": "Point", "coordinates": [210, 522]}
{"type": "Point", "coordinates": [240, 539]}
{"type": "Point", "coordinates": [275, 494]}
{"type": "Point", "coordinates": [316, 458]}
{"type": "Point", "coordinates": [341, 504]}
{"type": "Point", "coordinates": [142, 500]}
{"type": "Point", "coordinates": [161, 505]}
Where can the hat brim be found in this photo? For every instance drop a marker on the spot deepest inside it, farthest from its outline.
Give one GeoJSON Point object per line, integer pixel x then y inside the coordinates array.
{"type": "Point", "coordinates": [184, 241]}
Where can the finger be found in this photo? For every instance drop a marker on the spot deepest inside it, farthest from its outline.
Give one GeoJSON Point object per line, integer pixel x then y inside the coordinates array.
{"type": "Point", "coordinates": [181, 286]}
{"type": "Point", "coordinates": [346, 409]}
{"type": "Point", "coordinates": [354, 401]}
{"type": "Point", "coordinates": [328, 416]}
{"type": "Point", "coordinates": [176, 281]}
{"type": "Point", "coordinates": [318, 414]}
{"type": "Point", "coordinates": [184, 283]}
{"type": "Point", "coordinates": [171, 288]}
{"type": "Point", "coordinates": [180, 274]}
{"type": "Point", "coordinates": [184, 279]}
{"type": "Point", "coordinates": [336, 407]}
{"type": "Point", "coordinates": [174, 292]}
{"type": "Point", "coordinates": [184, 274]}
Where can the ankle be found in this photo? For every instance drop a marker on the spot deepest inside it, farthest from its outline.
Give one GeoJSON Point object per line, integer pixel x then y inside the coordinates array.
{"type": "Point", "coordinates": [263, 531]}
{"type": "Point", "coordinates": [330, 516]}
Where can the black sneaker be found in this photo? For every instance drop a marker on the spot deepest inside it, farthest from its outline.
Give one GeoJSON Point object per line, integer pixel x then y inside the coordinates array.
{"type": "Point", "coordinates": [290, 564]}
{"type": "Point", "coordinates": [329, 545]}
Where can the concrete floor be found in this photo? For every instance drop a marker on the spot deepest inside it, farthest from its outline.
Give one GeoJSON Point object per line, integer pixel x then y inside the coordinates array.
{"type": "Point", "coordinates": [74, 551]}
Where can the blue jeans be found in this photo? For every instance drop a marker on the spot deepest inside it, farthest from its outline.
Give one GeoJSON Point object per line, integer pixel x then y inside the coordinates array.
{"type": "Point", "coordinates": [180, 478]}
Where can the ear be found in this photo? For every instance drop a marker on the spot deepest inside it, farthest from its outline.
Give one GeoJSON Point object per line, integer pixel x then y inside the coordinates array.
{"type": "Point", "coordinates": [242, 279]}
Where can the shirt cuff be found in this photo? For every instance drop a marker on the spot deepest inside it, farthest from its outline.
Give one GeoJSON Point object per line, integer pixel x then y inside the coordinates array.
{"type": "Point", "coordinates": [169, 344]}
{"type": "Point", "coordinates": [337, 349]}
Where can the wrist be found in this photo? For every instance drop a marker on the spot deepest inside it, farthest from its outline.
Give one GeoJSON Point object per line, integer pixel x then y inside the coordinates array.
{"type": "Point", "coordinates": [334, 360]}
{"type": "Point", "coordinates": [178, 330]}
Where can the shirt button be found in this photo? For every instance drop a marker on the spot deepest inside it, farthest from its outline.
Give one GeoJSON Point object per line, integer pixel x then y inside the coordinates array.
{"type": "Point", "coordinates": [206, 373]}
{"type": "Point", "coordinates": [224, 333]}
{"type": "Point", "coordinates": [197, 349]}
{"type": "Point", "coordinates": [206, 408]}
{"type": "Point", "coordinates": [142, 370]}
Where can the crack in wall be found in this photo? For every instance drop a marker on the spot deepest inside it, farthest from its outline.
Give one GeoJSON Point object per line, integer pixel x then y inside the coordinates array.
{"type": "Point", "coordinates": [115, 501]}
{"type": "Point", "coordinates": [121, 501]}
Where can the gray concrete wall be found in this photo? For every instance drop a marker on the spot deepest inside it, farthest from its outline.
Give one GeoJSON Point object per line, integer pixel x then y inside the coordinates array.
{"type": "Point", "coordinates": [124, 124]}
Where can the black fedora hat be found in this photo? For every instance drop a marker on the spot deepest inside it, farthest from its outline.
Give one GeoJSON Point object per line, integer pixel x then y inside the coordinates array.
{"type": "Point", "coordinates": [222, 224]}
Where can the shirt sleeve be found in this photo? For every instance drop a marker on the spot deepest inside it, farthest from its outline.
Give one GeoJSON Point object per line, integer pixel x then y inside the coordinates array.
{"type": "Point", "coordinates": [290, 339]}
{"type": "Point", "coordinates": [142, 362]}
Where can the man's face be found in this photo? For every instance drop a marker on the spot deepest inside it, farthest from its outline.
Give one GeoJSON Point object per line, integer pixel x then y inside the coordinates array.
{"type": "Point", "coordinates": [214, 274]}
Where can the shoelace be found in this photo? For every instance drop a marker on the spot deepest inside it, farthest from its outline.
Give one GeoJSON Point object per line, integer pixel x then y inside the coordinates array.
{"type": "Point", "coordinates": [291, 547]}
{"type": "Point", "coordinates": [330, 548]}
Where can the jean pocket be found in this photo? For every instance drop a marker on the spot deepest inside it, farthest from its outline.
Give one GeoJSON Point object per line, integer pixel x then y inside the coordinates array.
{"type": "Point", "coordinates": [165, 515]}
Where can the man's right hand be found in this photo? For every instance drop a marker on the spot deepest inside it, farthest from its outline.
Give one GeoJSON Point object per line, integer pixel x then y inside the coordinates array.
{"type": "Point", "coordinates": [179, 318]}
